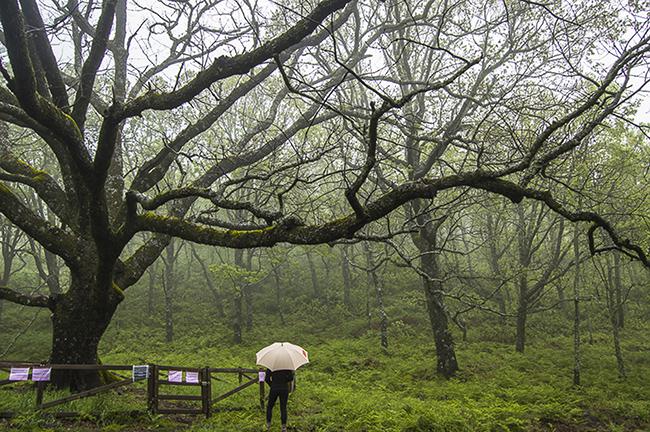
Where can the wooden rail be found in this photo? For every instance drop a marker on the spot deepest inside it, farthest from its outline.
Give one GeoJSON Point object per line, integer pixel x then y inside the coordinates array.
{"type": "Point", "coordinates": [154, 382]}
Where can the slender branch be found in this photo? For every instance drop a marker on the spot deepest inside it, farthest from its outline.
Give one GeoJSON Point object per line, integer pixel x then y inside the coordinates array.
{"type": "Point", "coordinates": [90, 66]}
{"type": "Point", "coordinates": [213, 196]}
{"type": "Point", "coordinates": [25, 88]}
{"type": "Point", "coordinates": [52, 238]}
{"type": "Point", "coordinates": [224, 67]}
{"type": "Point", "coordinates": [26, 300]}
{"type": "Point", "coordinates": [44, 185]}
{"type": "Point", "coordinates": [46, 55]}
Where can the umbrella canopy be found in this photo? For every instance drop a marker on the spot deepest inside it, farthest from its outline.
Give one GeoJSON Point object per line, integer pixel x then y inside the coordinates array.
{"type": "Point", "coordinates": [282, 356]}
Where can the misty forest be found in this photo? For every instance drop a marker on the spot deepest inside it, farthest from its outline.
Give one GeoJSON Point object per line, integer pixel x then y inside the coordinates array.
{"type": "Point", "coordinates": [445, 203]}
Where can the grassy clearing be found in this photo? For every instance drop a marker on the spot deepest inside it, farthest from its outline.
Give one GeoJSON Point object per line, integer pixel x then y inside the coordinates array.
{"type": "Point", "coordinates": [352, 385]}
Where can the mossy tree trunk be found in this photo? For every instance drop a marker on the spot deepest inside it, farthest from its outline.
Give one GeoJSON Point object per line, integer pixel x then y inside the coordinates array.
{"type": "Point", "coordinates": [426, 242]}
{"type": "Point", "coordinates": [576, 309]}
{"type": "Point", "coordinates": [80, 317]}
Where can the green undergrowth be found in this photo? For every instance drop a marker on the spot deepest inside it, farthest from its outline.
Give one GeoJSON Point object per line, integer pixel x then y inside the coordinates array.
{"type": "Point", "coordinates": [352, 385]}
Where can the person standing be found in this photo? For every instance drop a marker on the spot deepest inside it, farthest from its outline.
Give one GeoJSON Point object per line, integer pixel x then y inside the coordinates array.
{"type": "Point", "coordinates": [280, 382]}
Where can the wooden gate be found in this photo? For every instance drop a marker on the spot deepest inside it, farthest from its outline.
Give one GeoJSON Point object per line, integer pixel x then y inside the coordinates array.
{"type": "Point", "coordinates": [160, 379]}
{"type": "Point", "coordinates": [179, 376]}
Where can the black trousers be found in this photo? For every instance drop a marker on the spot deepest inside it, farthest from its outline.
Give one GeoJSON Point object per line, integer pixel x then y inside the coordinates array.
{"type": "Point", "coordinates": [273, 396]}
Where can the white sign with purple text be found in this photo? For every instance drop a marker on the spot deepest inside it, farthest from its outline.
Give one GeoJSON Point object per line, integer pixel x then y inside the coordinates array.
{"type": "Point", "coordinates": [192, 377]}
{"type": "Point", "coordinates": [175, 376]}
{"type": "Point", "coordinates": [41, 374]}
{"type": "Point", "coordinates": [19, 374]}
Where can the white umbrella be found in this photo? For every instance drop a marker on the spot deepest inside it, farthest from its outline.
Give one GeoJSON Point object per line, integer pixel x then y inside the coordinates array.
{"type": "Point", "coordinates": [282, 356]}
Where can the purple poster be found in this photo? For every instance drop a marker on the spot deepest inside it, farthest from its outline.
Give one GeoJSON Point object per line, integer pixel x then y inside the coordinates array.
{"type": "Point", "coordinates": [19, 374]}
{"type": "Point", "coordinates": [175, 376]}
{"type": "Point", "coordinates": [41, 374]}
{"type": "Point", "coordinates": [192, 377]}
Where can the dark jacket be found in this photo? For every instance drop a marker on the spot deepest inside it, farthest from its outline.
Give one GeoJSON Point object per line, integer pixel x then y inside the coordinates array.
{"type": "Point", "coordinates": [279, 379]}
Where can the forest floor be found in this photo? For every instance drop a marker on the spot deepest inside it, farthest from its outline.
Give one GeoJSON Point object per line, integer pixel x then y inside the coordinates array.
{"type": "Point", "coordinates": [352, 385]}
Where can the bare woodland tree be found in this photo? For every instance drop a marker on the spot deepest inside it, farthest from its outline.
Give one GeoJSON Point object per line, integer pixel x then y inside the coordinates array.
{"type": "Point", "coordinates": [159, 122]}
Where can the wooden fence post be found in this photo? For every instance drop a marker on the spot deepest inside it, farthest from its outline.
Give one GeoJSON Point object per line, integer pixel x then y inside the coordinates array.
{"type": "Point", "coordinates": [206, 391]}
{"type": "Point", "coordinates": [152, 387]}
{"type": "Point", "coordinates": [262, 382]}
{"type": "Point", "coordinates": [40, 386]}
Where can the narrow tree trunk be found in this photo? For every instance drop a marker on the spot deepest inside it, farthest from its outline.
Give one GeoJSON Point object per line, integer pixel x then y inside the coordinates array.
{"type": "Point", "coordinates": [326, 293]}
{"type": "Point", "coordinates": [368, 313]}
{"type": "Point", "coordinates": [561, 298]}
{"type": "Point", "coordinates": [524, 255]}
{"type": "Point", "coordinates": [216, 295]}
{"type": "Point", "coordinates": [151, 290]}
{"type": "Point", "coordinates": [590, 329]}
{"type": "Point", "coordinates": [8, 255]}
{"type": "Point", "coordinates": [447, 365]}
{"type": "Point", "coordinates": [618, 290]}
{"type": "Point", "coordinates": [318, 293]}
{"type": "Point", "coordinates": [374, 281]}
{"type": "Point", "coordinates": [522, 312]}
{"type": "Point", "coordinates": [620, 364]}
{"type": "Point", "coordinates": [169, 311]}
{"type": "Point", "coordinates": [237, 318]}
{"type": "Point", "coordinates": [500, 296]}
{"type": "Point", "coordinates": [248, 293]}
{"type": "Point", "coordinates": [169, 288]}
{"type": "Point", "coordinates": [238, 300]}
{"type": "Point", "coordinates": [347, 278]}
{"type": "Point", "coordinates": [576, 313]}
{"type": "Point", "coordinates": [612, 308]}
{"type": "Point", "coordinates": [278, 294]}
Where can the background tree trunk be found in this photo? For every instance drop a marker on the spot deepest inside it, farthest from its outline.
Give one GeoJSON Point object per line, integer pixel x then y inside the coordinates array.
{"type": "Point", "coordinates": [151, 289]}
{"type": "Point", "coordinates": [576, 310]}
{"type": "Point", "coordinates": [347, 277]}
{"type": "Point", "coordinates": [618, 290]}
{"type": "Point", "coordinates": [318, 292]}
{"type": "Point", "coordinates": [278, 293]}
{"type": "Point", "coordinates": [524, 254]}
{"type": "Point", "coordinates": [426, 242]}
{"type": "Point", "coordinates": [217, 299]}
{"type": "Point", "coordinates": [238, 300]}
{"type": "Point", "coordinates": [169, 286]}
{"type": "Point", "coordinates": [247, 290]}
{"type": "Point", "coordinates": [373, 280]}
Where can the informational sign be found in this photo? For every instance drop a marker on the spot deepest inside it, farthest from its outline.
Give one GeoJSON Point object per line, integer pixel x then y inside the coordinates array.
{"type": "Point", "coordinates": [175, 376]}
{"type": "Point", "coordinates": [41, 374]}
{"type": "Point", "coordinates": [140, 372]}
{"type": "Point", "coordinates": [261, 375]}
{"type": "Point", "coordinates": [19, 374]}
{"type": "Point", "coordinates": [192, 377]}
